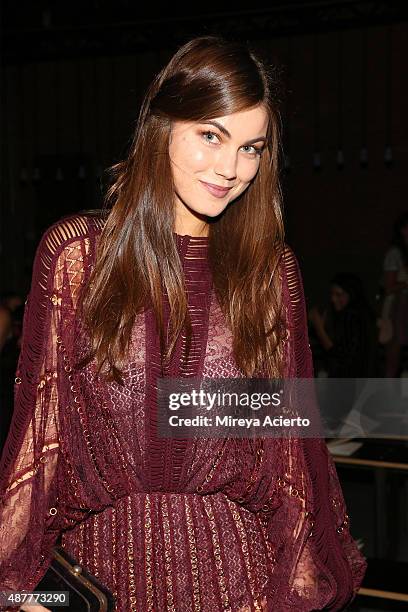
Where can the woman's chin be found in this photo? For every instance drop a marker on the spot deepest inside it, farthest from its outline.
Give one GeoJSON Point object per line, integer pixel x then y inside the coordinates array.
{"type": "Point", "coordinates": [208, 210]}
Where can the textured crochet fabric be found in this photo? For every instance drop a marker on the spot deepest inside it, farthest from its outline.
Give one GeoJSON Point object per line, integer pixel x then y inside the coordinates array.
{"type": "Point", "coordinates": [167, 525]}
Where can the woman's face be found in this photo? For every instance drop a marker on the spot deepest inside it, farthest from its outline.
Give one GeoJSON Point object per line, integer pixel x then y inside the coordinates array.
{"type": "Point", "coordinates": [339, 297]}
{"type": "Point", "coordinates": [213, 162]}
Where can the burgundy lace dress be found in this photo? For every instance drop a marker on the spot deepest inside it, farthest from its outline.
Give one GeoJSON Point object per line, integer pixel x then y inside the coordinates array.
{"type": "Point", "coordinates": [167, 525]}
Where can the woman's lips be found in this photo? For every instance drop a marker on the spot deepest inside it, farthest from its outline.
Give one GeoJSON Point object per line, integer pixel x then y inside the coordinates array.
{"type": "Point", "coordinates": [218, 192]}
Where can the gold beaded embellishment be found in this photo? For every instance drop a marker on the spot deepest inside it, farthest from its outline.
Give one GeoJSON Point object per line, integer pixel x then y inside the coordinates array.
{"type": "Point", "coordinates": [343, 525]}
{"type": "Point", "coordinates": [81, 415]}
{"type": "Point", "coordinates": [132, 585]}
{"type": "Point", "coordinates": [244, 545]}
{"type": "Point", "coordinates": [210, 474]}
{"type": "Point", "coordinates": [167, 556]}
{"type": "Point", "coordinates": [217, 554]}
{"type": "Point", "coordinates": [148, 554]}
{"type": "Point", "coordinates": [193, 556]}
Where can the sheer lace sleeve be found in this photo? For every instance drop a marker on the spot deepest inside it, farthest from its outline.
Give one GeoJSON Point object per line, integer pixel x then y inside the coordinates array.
{"type": "Point", "coordinates": [326, 567]}
{"type": "Point", "coordinates": [30, 509]}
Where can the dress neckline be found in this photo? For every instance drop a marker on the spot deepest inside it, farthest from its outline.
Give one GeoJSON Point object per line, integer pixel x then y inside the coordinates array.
{"type": "Point", "coordinates": [191, 238]}
{"type": "Point", "coordinates": [192, 249]}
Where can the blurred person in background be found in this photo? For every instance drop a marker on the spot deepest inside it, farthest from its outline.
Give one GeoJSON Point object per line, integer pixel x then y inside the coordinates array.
{"type": "Point", "coordinates": [347, 333]}
{"type": "Point", "coordinates": [394, 317]}
{"type": "Point", "coordinates": [11, 319]}
{"type": "Point", "coordinates": [347, 330]}
{"type": "Point", "coordinates": [9, 304]}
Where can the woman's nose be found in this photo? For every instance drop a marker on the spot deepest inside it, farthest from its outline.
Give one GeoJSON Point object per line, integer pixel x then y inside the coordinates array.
{"type": "Point", "coordinates": [226, 165]}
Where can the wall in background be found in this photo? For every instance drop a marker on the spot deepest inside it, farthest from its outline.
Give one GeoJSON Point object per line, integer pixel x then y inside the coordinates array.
{"type": "Point", "coordinates": [64, 121]}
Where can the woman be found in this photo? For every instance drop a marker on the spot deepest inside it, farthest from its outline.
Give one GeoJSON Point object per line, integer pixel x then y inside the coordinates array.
{"type": "Point", "coordinates": [195, 228]}
{"type": "Point", "coordinates": [396, 295]}
{"type": "Point", "coordinates": [347, 333]}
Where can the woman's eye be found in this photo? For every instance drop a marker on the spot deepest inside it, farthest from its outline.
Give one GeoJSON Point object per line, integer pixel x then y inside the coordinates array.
{"type": "Point", "coordinates": [209, 136]}
{"type": "Point", "coordinates": [253, 150]}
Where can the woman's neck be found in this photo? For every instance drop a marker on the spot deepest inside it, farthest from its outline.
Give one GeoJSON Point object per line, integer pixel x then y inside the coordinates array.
{"type": "Point", "coordinates": [196, 231]}
{"type": "Point", "coordinates": [189, 223]}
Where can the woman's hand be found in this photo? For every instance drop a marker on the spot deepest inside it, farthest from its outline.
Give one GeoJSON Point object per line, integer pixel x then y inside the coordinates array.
{"type": "Point", "coordinates": [315, 317]}
{"type": "Point", "coordinates": [317, 321]}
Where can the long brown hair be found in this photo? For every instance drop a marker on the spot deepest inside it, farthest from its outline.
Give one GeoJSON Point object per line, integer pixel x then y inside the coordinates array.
{"type": "Point", "coordinates": [137, 257]}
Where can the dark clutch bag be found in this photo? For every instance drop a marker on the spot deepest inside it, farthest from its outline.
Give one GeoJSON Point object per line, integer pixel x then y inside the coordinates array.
{"type": "Point", "coordinates": [86, 594]}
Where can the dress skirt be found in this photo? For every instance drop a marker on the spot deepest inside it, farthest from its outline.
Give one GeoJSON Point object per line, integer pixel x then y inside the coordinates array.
{"type": "Point", "coordinates": [175, 552]}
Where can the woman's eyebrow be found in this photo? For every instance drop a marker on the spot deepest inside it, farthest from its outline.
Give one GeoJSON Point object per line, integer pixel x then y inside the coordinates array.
{"type": "Point", "coordinates": [228, 135]}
